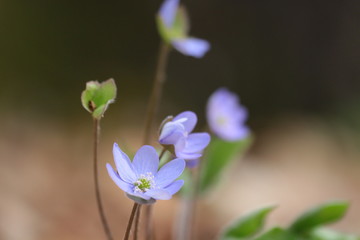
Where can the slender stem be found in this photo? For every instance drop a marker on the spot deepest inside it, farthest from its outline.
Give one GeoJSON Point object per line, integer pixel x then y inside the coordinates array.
{"type": "Point", "coordinates": [156, 92]}
{"type": "Point", "coordinates": [150, 234]}
{"type": "Point", "coordinates": [96, 180]}
{"type": "Point", "coordinates": [188, 210]}
{"type": "Point", "coordinates": [152, 109]}
{"type": "Point", "coordinates": [131, 219]}
{"type": "Point", "coordinates": [137, 219]}
{"type": "Point", "coordinates": [187, 217]}
{"type": "Point", "coordinates": [148, 223]}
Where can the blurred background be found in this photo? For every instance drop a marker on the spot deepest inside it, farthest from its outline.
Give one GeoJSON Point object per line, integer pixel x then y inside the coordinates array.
{"type": "Point", "coordinates": [295, 65]}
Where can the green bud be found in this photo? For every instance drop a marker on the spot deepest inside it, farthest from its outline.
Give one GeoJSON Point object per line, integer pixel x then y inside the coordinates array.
{"type": "Point", "coordinates": [97, 97]}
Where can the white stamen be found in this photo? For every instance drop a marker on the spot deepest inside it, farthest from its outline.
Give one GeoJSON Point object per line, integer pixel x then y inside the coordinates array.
{"type": "Point", "coordinates": [144, 183]}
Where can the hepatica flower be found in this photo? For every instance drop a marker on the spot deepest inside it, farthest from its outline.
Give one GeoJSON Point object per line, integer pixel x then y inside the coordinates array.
{"type": "Point", "coordinates": [173, 27]}
{"type": "Point", "coordinates": [177, 132]}
{"type": "Point", "coordinates": [226, 117]}
{"type": "Point", "coordinates": [141, 179]}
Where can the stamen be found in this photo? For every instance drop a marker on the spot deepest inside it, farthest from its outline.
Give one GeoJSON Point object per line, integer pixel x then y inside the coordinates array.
{"type": "Point", "coordinates": [144, 183]}
{"type": "Point", "coordinates": [221, 120]}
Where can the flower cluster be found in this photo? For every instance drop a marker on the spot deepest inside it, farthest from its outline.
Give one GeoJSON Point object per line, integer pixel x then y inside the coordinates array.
{"type": "Point", "coordinates": [141, 179]}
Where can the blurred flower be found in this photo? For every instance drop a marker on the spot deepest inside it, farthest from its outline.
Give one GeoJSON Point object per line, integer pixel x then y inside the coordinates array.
{"type": "Point", "coordinates": [226, 117]}
{"type": "Point", "coordinates": [173, 27]}
{"type": "Point", "coordinates": [177, 132]}
{"type": "Point", "coordinates": [141, 180]}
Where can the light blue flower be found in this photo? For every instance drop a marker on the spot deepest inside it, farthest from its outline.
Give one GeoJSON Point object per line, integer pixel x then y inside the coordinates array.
{"type": "Point", "coordinates": [226, 117]}
{"type": "Point", "coordinates": [141, 179]}
{"type": "Point", "coordinates": [173, 27]}
{"type": "Point", "coordinates": [177, 132]}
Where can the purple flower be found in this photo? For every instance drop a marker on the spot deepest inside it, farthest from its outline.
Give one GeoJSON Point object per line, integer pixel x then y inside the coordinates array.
{"type": "Point", "coordinates": [226, 117]}
{"type": "Point", "coordinates": [168, 11]}
{"type": "Point", "coordinates": [173, 26]}
{"type": "Point", "coordinates": [177, 132]}
{"type": "Point", "coordinates": [141, 179]}
{"type": "Point", "coordinates": [191, 46]}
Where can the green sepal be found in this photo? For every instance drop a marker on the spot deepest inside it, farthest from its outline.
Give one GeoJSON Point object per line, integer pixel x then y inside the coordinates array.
{"type": "Point", "coordinates": [246, 226]}
{"type": "Point", "coordinates": [178, 30]}
{"type": "Point", "coordinates": [141, 200]}
{"type": "Point", "coordinates": [97, 97]}
{"type": "Point", "coordinates": [218, 155]}
{"type": "Point", "coordinates": [320, 215]}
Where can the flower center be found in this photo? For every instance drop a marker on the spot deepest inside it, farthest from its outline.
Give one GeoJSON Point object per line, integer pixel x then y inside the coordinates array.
{"type": "Point", "coordinates": [144, 183]}
{"type": "Point", "coordinates": [221, 120]}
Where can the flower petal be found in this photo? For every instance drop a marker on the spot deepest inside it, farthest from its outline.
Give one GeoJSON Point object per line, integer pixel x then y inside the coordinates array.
{"type": "Point", "coordinates": [123, 165]}
{"type": "Point", "coordinates": [146, 160]}
{"type": "Point", "coordinates": [194, 47]}
{"type": "Point", "coordinates": [171, 133]}
{"type": "Point", "coordinates": [175, 187]}
{"type": "Point", "coordinates": [191, 120]}
{"type": "Point", "coordinates": [196, 142]}
{"type": "Point", "coordinates": [191, 163]}
{"type": "Point", "coordinates": [181, 153]}
{"type": "Point", "coordinates": [168, 11]}
{"type": "Point", "coordinates": [116, 178]}
{"type": "Point", "coordinates": [158, 194]}
{"type": "Point", "coordinates": [234, 132]}
{"type": "Point", "coordinates": [187, 156]}
{"type": "Point", "coordinates": [169, 172]}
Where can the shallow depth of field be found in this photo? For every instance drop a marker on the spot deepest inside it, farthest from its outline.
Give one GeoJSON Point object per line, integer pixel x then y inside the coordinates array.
{"type": "Point", "coordinates": [295, 66]}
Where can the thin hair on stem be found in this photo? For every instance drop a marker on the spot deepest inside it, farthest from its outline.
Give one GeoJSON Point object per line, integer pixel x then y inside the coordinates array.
{"type": "Point", "coordinates": [131, 219]}
{"type": "Point", "coordinates": [96, 181]}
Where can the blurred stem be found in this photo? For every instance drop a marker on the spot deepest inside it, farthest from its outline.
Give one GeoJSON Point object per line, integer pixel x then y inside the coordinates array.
{"type": "Point", "coordinates": [149, 224]}
{"type": "Point", "coordinates": [137, 218]}
{"type": "Point", "coordinates": [187, 212]}
{"type": "Point", "coordinates": [152, 109]}
{"type": "Point", "coordinates": [131, 219]}
{"type": "Point", "coordinates": [156, 92]}
{"type": "Point", "coordinates": [96, 180]}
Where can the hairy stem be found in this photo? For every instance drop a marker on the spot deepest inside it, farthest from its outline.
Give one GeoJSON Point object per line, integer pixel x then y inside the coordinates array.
{"type": "Point", "coordinates": [156, 92]}
{"type": "Point", "coordinates": [137, 219]}
{"type": "Point", "coordinates": [187, 212]}
{"type": "Point", "coordinates": [131, 219]}
{"type": "Point", "coordinates": [152, 109]}
{"type": "Point", "coordinates": [96, 181]}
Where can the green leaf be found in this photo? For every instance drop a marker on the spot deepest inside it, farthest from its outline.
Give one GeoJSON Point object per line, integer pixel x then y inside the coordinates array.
{"type": "Point", "coordinates": [247, 225]}
{"type": "Point", "coordinates": [181, 24]}
{"type": "Point", "coordinates": [97, 97]}
{"type": "Point", "coordinates": [323, 214]}
{"type": "Point", "coordinates": [327, 234]}
{"type": "Point", "coordinates": [277, 234]}
{"type": "Point", "coordinates": [218, 155]}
